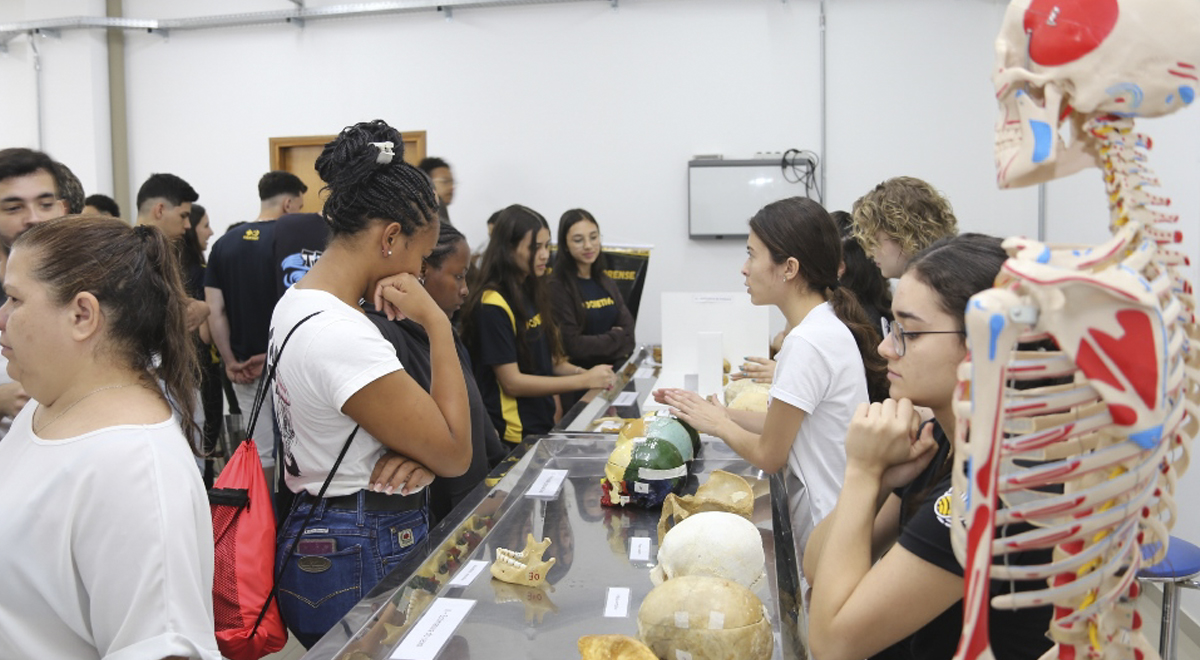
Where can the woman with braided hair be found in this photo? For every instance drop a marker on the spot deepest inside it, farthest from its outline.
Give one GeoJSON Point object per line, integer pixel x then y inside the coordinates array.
{"type": "Point", "coordinates": [108, 546]}
{"type": "Point", "coordinates": [826, 368]}
{"type": "Point", "coordinates": [352, 422]}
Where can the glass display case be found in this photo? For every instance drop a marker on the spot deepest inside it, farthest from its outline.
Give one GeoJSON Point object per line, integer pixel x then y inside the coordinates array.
{"type": "Point", "coordinates": [599, 410]}
{"type": "Point", "coordinates": [443, 602]}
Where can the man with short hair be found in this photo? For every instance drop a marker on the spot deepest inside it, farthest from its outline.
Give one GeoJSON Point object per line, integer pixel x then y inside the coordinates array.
{"type": "Point", "coordinates": [240, 289]}
{"type": "Point", "coordinates": [443, 183]}
{"type": "Point", "coordinates": [70, 189]}
{"type": "Point", "coordinates": [98, 204]}
{"type": "Point", "coordinates": [28, 193]}
{"type": "Point", "coordinates": [165, 201]}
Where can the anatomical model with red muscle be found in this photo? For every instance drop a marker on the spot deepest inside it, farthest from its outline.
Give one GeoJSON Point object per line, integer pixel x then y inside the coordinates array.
{"type": "Point", "coordinates": [1091, 464]}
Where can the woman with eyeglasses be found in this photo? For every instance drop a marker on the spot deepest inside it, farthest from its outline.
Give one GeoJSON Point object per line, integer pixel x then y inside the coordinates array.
{"type": "Point", "coordinates": [515, 347]}
{"type": "Point", "coordinates": [827, 367]}
{"type": "Point", "coordinates": [887, 541]}
{"type": "Point", "coordinates": [595, 324]}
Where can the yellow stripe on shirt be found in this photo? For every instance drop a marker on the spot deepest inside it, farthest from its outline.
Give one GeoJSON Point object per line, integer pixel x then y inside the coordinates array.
{"type": "Point", "coordinates": [508, 403]}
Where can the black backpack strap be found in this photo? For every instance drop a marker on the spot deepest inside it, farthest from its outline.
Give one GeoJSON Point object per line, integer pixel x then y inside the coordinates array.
{"type": "Point", "coordinates": [292, 551]}
{"type": "Point", "coordinates": [260, 396]}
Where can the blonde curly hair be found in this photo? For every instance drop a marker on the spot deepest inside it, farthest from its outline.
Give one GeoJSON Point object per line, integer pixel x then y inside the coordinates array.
{"type": "Point", "coordinates": [908, 210]}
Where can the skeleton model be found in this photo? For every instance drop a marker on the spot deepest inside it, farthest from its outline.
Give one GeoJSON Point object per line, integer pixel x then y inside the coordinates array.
{"type": "Point", "coordinates": [1092, 463]}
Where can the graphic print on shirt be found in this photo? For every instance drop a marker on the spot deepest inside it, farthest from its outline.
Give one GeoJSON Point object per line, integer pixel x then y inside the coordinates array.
{"type": "Point", "coordinates": [941, 506]}
{"type": "Point", "coordinates": [297, 265]}
{"type": "Point", "coordinates": [283, 411]}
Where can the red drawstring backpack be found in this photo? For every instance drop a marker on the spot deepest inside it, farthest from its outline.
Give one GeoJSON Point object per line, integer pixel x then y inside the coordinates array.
{"type": "Point", "coordinates": [248, 622]}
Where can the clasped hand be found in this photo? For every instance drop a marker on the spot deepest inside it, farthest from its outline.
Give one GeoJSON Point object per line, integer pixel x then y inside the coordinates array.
{"type": "Point", "coordinates": [397, 473]}
{"type": "Point", "coordinates": [883, 440]}
{"type": "Point", "coordinates": [403, 296]}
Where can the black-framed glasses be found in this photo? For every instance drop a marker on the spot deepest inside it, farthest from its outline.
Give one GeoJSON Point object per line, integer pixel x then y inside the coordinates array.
{"type": "Point", "coordinates": [900, 335]}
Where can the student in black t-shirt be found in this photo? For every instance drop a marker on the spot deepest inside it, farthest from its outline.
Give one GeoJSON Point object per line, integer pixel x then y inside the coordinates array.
{"type": "Point", "coordinates": [445, 278]}
{"type": "Point", "coordinates": [515, 346]}
{"type": "Point", "coordinates": [596, 326]}
{"type": "Point", "coordinates": [895, 498]}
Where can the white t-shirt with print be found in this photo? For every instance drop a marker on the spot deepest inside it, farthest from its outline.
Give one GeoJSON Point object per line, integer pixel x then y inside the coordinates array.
{"type": "Point", "coordinates": [820, 371]}
{"type": "Point", "coordinates": [328, 359]}
{"type": "Point", "coordinates": [107, 545]}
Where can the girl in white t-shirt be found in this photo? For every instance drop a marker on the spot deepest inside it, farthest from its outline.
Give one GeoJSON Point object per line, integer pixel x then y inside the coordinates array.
{"type": "Point", "coordinates": [826, 367]}
{"type": "Point", "coordinates": [108, 546]}
{"type": "Point", "coordinates": [338, 376]}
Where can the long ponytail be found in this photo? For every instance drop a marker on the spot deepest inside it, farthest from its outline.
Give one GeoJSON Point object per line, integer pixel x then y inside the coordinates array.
{"type": "Point", "coordinates": [798, 227]}
{"type": "Point", "coordinates": [134, 274]}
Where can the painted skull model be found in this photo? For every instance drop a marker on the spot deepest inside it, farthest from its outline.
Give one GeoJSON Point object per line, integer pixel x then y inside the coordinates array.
{"type": "Point", "coordinates": [525, 567]}
{"type": "Point", "coordinates": [642, 472]}
{"type": "Point", "coordinates": [1114, 437]}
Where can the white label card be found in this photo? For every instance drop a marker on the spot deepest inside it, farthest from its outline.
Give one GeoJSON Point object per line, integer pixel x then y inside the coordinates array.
{"type": "Point", "coordinates": [547, 485]}
{"type": "Point", "coordinates": [468, 573]}
{"type": "Point", "coordinates": [644, 372]}
{"type": "Point", "coordinates": [617, 604]}
{"type": "Point", "coordinates": [625, 399]}
{"type": "Point", "coordinates": [639, 549]}
{"type": "Point", "coordinates": [434, 629]}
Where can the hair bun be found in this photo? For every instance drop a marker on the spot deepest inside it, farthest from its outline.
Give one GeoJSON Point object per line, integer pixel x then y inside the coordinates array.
{"type": "Point", "coordinates": [358, 150]}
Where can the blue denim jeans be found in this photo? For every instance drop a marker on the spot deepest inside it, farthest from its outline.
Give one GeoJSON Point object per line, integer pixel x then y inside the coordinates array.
{"type": "Point", "coordinates": [342, 554]}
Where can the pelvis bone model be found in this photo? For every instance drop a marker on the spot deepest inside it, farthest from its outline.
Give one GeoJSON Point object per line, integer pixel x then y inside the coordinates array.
{"type": "Point", "coordinates": [1091, 462]}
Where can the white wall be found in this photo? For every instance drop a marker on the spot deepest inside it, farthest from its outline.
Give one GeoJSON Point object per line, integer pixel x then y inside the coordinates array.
{"type": "Point", "coordinates": [557, 106]}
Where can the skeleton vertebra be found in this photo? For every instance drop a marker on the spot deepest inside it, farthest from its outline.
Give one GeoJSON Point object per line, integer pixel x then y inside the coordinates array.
{"type": "Point", "coordinates": [1123, 317]}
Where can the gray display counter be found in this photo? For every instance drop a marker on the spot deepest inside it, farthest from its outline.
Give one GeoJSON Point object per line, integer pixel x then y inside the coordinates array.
{"type": "Point", "coordinates": [594, 573]}
{"type": "Point", "coordinates": [635, 380]}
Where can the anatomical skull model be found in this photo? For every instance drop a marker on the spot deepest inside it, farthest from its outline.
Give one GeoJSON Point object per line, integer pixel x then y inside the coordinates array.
{"type": "Point", "coordinates": [724, 491]}
{"type": "Point", "coordinates": [1090, 463]}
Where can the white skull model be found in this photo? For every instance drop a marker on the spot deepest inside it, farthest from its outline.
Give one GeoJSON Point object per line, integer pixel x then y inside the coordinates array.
{"type": "Point", "coordinates": [1060, 63]}
{"type": "Point", "coordinates": [714, 543]}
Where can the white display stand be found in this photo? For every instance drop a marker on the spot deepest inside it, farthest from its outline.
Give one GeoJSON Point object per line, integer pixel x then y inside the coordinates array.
{"type": "Point", "coordinates": [702, 330]}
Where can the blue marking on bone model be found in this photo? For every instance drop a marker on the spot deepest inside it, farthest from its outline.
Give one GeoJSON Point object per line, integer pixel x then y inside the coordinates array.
{"type": "Point", "coordinates": [997, 324]}
{"type": "Point", "coordinates": [1043, 140]}
{"type": "Point", "coordinates": [1187, 94]}
{"type": "Point", "coordinates": [1044, 257]}
{"type": "Point", "coordinates": [1149, 438]}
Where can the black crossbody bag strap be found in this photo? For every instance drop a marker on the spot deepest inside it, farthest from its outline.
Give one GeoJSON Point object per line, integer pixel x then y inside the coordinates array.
{"type": "Point", "coordinates": [258, 401]}
{"type": "Point", "coordinates": [260, 395]}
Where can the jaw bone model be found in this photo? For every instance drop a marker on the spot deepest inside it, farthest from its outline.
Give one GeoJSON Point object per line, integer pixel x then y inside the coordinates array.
{"type": "Point", "coordinates": [1116, 436]}
{"type": "Point", "coordinates": [525, 567]}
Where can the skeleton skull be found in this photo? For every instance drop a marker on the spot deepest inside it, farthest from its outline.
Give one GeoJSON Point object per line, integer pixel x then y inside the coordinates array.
{"type": "Point", "coordinates": [1060, 62]}
{"type": "Point", "coordinates": [714, 543]}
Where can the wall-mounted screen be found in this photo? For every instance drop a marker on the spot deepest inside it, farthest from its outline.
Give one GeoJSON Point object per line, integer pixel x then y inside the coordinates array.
{"type": "Point", "coordinates": [724, 194]}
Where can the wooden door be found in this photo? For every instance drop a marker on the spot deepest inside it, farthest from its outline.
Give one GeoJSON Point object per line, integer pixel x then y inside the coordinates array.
{"type": "Point", "coordinates": [298, 155]}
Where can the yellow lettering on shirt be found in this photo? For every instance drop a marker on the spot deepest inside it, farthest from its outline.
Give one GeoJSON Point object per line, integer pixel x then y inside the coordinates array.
{"type": "Point", "coordinates": [250, 235]}
{"type": "Point", "coordinates": [598, 303]}
{"type": "Point", "coordinates": [621, 274]}
{"type": "Point", "coordinates": [533, 322]}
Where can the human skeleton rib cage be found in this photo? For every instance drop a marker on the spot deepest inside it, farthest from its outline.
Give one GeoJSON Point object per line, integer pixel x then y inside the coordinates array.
{"type": "Point", "coordinates": [1091, 464]}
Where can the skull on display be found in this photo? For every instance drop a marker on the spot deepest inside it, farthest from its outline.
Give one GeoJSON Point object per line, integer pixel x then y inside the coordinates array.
{"type": "Point", "coordinates": [1061, 62]}
{"type": "Point", "coordinates": [705, 618]}
{"type": "Point", "coordinates": [723, 491]}
{"type": "Point", "coordinates": [713, 543]}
